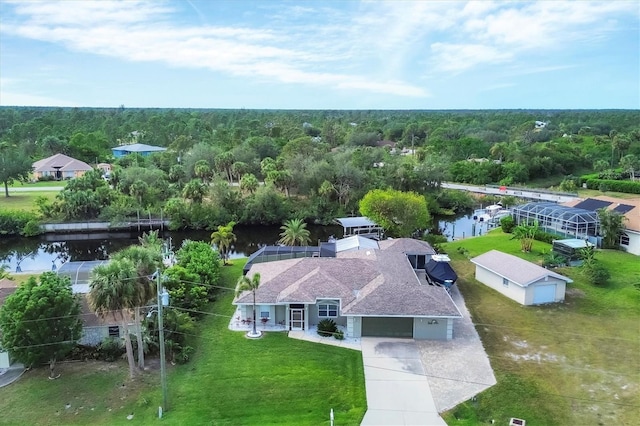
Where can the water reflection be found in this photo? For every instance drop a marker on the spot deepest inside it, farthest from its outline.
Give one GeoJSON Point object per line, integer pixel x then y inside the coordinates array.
{"type": "Point", "coordinates": [50, 251]}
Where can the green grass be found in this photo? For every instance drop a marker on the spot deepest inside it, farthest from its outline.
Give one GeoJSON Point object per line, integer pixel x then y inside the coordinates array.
{"type": "Point", "coordinates": [570, 363]}
{"type": "Point", "coordinates": [24, 200]}
{"type": "Point", "coordinates": [38, 184]}
{"type": "Point", "coordinates": [230, 381]}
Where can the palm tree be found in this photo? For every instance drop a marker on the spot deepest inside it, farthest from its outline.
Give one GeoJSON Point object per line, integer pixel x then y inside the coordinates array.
{"type": "Point", "coordinates": [146, 260]}
{"type": "Point", "coordinates": [246, 284]}
{"type": "Point", "coordinates": [113, 291]}
{"type": "Point", "coordinates": [222, 238]}
{"type": "Point", "coordinates": [294, 231]}
{"type": "Point", "coordinates": [4, 272]}
{"type": "Point", "coordinates": [194, 191]}
{"type": "Point", "coordinates": [611, 227]}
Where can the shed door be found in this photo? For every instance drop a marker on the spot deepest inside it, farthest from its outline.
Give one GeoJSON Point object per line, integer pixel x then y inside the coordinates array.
{"type": "Point", "coordinates": [544, 294]}
{"type": "Point", "coordinates": [387, 327]}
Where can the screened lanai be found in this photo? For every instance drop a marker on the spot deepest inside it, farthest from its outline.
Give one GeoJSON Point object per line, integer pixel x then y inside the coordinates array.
{"type": "Point", "coordinates": [559, 220]}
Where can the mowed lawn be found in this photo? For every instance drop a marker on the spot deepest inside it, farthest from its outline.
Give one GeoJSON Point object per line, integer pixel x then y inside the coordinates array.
{"type": "Point", "coordinates": [572, 363]}
{"type": "Point", "coordinates": [23, 200]}
{"type": "Point", "coordinates": [230, 381]}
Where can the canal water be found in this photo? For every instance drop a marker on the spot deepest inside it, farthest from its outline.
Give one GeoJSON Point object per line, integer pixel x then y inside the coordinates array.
{"type": "Point", "coordinates": [50, 251]}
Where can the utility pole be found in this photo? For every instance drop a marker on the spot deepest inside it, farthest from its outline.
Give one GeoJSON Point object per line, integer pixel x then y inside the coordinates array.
{"type": "Point", "coordinates": [162, 297]}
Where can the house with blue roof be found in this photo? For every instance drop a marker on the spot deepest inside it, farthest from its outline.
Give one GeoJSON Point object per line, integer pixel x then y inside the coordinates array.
{"type": "Point", "coordinates": [139, 148]}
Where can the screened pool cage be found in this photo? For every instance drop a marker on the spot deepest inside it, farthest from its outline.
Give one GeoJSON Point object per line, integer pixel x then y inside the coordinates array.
{"type": "Point", "coordinates": [560, 220]}
{"type": "Point", "coordinates": [79, 273]}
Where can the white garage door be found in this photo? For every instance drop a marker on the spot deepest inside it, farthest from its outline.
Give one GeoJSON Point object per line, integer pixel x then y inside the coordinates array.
{"type": "Point", "coordinates": [544, 294]}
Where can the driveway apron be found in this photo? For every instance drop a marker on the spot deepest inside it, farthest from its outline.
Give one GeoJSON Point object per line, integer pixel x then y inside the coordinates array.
{"type": "Point", "coordinates": [398, 391]}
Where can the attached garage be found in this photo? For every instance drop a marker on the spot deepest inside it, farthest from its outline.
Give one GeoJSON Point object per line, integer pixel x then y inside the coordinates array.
{"type": "Point", "coordinates": [544, 294]}
{"type": "Point", "coordinates": [387, 327]}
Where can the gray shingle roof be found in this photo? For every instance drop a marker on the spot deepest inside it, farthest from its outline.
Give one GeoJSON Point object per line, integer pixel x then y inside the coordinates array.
{"type": "Point", "coordinates": [369, 283]}
{"type": "Point", "coordinates": [513, 268]}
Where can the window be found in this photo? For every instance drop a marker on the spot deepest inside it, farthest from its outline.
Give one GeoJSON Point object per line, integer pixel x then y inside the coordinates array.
{"type": "Point", "coordinates": [505, 282]}
{"type": "Point", "coordinates": [264, 314]}
{"type": "Point", "coordinates": [114, 331]}
{"type": "Point", "coordinates": [327, 310]}
{"type": "Point", "coordinates": [624, 239]}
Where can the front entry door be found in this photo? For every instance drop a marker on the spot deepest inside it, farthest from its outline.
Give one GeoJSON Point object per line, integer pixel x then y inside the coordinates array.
{"type": "Point", "coordinates": [296, 319]}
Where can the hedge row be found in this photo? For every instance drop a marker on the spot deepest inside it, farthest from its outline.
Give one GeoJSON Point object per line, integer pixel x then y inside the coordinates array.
{"type": "Point", "coordinates": [17, 222]}
{"type": "Point", "coordinates": [625, 186]}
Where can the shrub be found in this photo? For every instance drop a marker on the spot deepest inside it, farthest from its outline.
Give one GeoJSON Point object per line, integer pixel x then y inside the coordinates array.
{"type": "Point", "coordinates": [14, 222]}
{"type": "Point", "coordinates": [111, 349]}
{"type": "Point", "coordinates": [339, 335]}
{"type": "Point", "coordinates": [327, 327]}
{"type": "Point", "coordinates": [545, 237]}
{"type": "Point", "coordinates": [507, 223]}
{"type": "Point", "coordinates": [596, 273]}
{"type": "Point", "coordinates": [551, 260]}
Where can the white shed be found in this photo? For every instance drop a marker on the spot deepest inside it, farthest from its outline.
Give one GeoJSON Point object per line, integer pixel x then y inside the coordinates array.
{"type": "Point", "coordinates": [518, 279]}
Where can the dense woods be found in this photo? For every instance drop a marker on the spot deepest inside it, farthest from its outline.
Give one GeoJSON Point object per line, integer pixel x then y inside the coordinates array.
{"type": "Point", "coordinates": [315, 165]}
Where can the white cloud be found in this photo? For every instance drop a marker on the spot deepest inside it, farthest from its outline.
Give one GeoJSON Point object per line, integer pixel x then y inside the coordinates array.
{"type": "Point", "coordinates": [459, 57]}
{"type": "Point", "coordinates": [140, 31]}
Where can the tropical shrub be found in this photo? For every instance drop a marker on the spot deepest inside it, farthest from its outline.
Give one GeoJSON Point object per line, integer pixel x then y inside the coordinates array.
{"type": "Point", "coordinates": [327, 327]}
{"type": "Point", "coordinates": [111, 349]}
{"type": "Point", "coordinates": [507, 223]}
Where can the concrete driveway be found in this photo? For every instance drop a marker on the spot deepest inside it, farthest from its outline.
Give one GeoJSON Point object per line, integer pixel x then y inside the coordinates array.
{"type": "Point", "coordinates": [398, 391]}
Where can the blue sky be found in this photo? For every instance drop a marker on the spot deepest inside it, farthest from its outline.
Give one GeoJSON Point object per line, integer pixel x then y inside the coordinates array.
{"type": "Point", "coordinates": [344, 54]}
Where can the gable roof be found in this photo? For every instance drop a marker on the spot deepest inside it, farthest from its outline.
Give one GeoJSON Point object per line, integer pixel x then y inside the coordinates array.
{"type": "Point", "coordinates": [630, 208]}
{"type": "Point", "coordinates": [368, 283]}
{"type": "Point", "coordinates": [138, 147]}
{"type": "Point", "coordinates": [407, 246]}
{"type": "Point", "coordinates": [60, 162]}
{"type": "Point", "coordinates": [355, 242]}
{"type": "Point", "coordinates": [516, 270]}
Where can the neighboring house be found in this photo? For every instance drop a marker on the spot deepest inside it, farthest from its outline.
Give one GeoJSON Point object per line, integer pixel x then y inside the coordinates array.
{"type": "Point", "coordinates": [369, 291]}
{"type": "Point", "coordinates": [105, 168]}
{"type": "Point", "coordinates": [94, 329]}
{"type": "Point", "coordinates": [139, 148]}
{"type": "Point", "coordinates": [60, 167]}
{"type": "Point", "coordinates": [5, 291]}
{"type": "Point", "coordinates": [518, 279]}
{"type": "Point", "coordinates": [630, 208]}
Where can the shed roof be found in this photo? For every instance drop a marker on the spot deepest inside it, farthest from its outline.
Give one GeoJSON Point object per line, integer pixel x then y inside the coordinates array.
{"type": "Point", "coordinates": [352, 222]}
{"type": "Point", "coordinates": [516, 270]}
{"type": "Point", "coordinates": [60, 162]}
{"type": "Point", "coordinates": [575, 243]}
{"type": "Point", "coordinates": [138, 147]}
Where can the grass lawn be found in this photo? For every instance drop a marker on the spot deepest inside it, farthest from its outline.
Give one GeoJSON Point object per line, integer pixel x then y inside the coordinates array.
{"type": "Point", "coordinates": [571, 363]}
{"type": "Point", "coordinates": [231, 380]}
{"type": "Point", "coordinates": [39, 183]}
{"type": "Point", "coordinates": [24, 200]}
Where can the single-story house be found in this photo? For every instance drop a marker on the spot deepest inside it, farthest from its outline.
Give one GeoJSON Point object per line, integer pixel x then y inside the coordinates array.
{"type": "Point", "coordinates": [139, 148]}
{"type": "Point", "coordinates": [94, 328]}
{"type": "Point", "coordinates": [6, 288]}
{"type": "Point", "coordinates": [630, 208]}
{"type": "Point", "coordinates": [371, 292]}
{"type": "Point", "coordinates": [60, 166]}
{"type": "Point", "coordinates": [518, 279]}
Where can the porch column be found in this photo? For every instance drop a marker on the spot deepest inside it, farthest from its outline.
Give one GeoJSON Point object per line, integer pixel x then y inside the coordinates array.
{"type": "Point", "coordinates": [306, 317]}
{"type": "Point", "coordinates": [287, 319]}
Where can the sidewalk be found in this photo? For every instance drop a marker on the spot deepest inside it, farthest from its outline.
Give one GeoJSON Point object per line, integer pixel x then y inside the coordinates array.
{"type": "Point", "coordinates": [11, 374]}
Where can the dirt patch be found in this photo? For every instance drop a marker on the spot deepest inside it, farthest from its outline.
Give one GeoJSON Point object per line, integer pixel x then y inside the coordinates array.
{"type": "Point", "coordinates": [574, 292]}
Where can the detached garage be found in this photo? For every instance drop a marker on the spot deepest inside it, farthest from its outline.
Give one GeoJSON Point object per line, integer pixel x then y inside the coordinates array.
{"type": "Point", "coordinates": [522, 281]}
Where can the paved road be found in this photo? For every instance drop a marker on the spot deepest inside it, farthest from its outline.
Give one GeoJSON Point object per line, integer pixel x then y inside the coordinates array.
{"type": "Point", "coordinates": [35, 189]}
{"type": "Point", "coordinates": [531, 194]}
